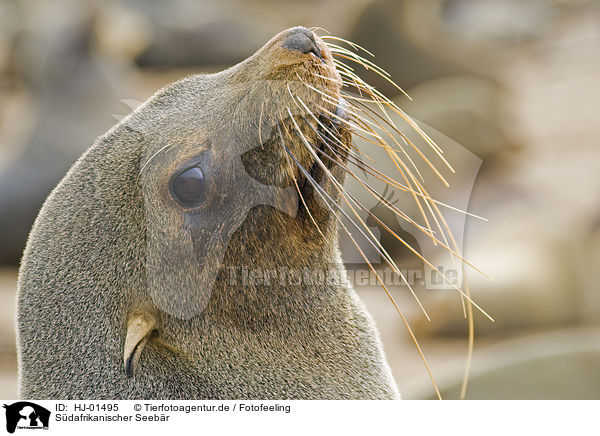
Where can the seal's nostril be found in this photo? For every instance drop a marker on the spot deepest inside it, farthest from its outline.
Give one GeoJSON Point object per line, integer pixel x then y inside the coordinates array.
{"type": "Point", "coordinates": [302, 41]}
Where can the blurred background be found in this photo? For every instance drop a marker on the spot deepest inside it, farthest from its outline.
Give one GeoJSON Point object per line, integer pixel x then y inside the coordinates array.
{"type": "Point", "coordinates": [516, 83]}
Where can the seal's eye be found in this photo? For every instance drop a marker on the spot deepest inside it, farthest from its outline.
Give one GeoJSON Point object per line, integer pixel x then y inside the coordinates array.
{"type": "Point", "coordinates": [187, 187]}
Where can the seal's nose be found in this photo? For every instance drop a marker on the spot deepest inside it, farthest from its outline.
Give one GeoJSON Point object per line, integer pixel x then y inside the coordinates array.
{"type": "Point", "coordinates": [302, 40]}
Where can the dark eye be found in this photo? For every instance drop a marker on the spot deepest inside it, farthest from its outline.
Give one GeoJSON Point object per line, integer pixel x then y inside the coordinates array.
{"type": "Point", "coordinates": [187, 187]}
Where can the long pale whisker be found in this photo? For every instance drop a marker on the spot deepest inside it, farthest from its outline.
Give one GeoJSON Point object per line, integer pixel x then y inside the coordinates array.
{"type": "Point", "coordinates": [323, 195]}
{"type": "Point", "coordinates": [168, 146]}
{"type": "Point", "coordinates": [344, 196]}
{"type": "Point", "coordinates": [350, 43]}
{"type": "Point", "coordinates": [346, 54]}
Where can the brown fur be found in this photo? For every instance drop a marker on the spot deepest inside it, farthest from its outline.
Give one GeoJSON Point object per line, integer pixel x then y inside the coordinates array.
{"type": "Point", "coordinates": [87, 266]}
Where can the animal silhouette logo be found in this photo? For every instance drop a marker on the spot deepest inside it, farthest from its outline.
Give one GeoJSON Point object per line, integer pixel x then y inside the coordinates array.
{"type": "Point", "coordinates": [400, 245]}
{"type": "Point", "coordinates": [26, 415]}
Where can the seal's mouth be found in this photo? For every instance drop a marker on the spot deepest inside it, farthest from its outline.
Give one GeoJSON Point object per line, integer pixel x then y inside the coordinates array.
{"type": "Point", "coordinates": [334, 130]}
{"type": "Point", "coordinates": [342, 111]}
{"type": "Point", "coordinates": [328, 153]}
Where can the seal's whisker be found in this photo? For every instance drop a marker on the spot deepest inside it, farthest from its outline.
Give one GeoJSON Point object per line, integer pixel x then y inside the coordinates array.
{"type": "Point", "coordinates": [368, 65]}
{"type": "Point", "coordinates": [355, 98]}
{"type": "Point", "coordinates": [318, 122]}
{"type": "Point", "coordinates": [324, 196]}
{"type": "Point", "coordinates": [418, 129]}
{"type": "Point", "coordinates": [395, 210]}
{"type": "Point", "coordinates": [393, 182]}
{"type": "Point", "coordinates": [344, 54]}
{"type": "Point", "coordinates": [378, 97]}
{"type": "Point", "coordinates": [416, 199]}
{"type": "Point", "coordinates": [373, 115]}
{"type": "Point", "coordinates": [357, 83]}
{"type": "Point", "coordinates": [350, 43]}
{"type": "Point", "coordinates": [345, 195]}
{"type": "Point", "coordinates": [315, 28]}
{"type": "Point", "coordinates": [168, 146]}
{"type": "Point", "coordinates": [386, 78]}
{"type": "Point", "coordinates": [404, 138]}
{"type": "Point", "coordinates": [293, 177]}
{"type": "Point", "coordinates": [333, 135]}
{"type": "Point", "coordinates": [358, 159]}
{"type": "Point", "coordinates": [381, 144]}
{"type": "Point", "coordinates": [352, 110]}
{"type": "Point", "coordinates": [437, 213]}
{"type": "Point", "coordinates": [262, 109]}
{"type": "Point", "coordinates": [298, 188]}
{"type": "Point", "coordinates": [389, 205]}
{"type": "Point", "coordinates": [471, 343]}
{"type": "Point", "coordinates": [320, 76]}
{"type": "Point", "coordinates": [352, 83]}
{"type": "Point", "coordinates": [455, 252]}
{"type": "Point", "coordinates": [352, 125]}
{"type": "Point", "coordinates": [446, 226]}
{"type": "Point", "coordinates": [343, 192]}
{"type": "Point", "coordinates": [367, 168]}
{"type": "Point", "coordinates": [351, 80]}
{"type": "Point", "coordinates": [368, 122]}
{"type": "Point", "coordinates": [371, 238]}
{"type": "Point", "coordinates": [330, 99]}
{"type": "Point", "coordinates": [355, 126]}
{"type": "Point", "coordinates": [387, 147]}
{"type": "Point", "coordinates": [423, 194]}
{"type": "Point", "coordinates": [396, 160]}
{"type": "Point", "coordinates": [353, 56]}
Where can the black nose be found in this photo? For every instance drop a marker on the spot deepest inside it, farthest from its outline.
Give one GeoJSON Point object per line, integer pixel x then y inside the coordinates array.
{"type": "Point", "coordinates": [302, 40]}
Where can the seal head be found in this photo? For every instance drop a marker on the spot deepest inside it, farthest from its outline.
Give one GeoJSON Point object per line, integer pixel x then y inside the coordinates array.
{"type": "Point", "coordinates": [139, 280]}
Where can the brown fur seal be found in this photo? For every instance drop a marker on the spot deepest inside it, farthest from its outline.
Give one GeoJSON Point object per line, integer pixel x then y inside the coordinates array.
{"type": "Point", "coordinates": [132, 284]}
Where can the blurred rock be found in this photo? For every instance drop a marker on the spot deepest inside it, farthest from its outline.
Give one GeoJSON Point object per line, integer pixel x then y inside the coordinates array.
{"type": "Point", "coordinates": [224, 42]}
{"type": "Point", "coordinates": [121, 32]}
{"type": "Point", "coordinates": [469, 109]}
{"type": "Point", "coordinates": [8, 296]}
{"type": "Point", "coordinates": [529, 290]}
{"type": "Point", "coordinates": [188, 33]}
{"type": "Point", "coordinates": [8, 357]}
{"type": "Point", "coordinates": [587, 269]}
{"type": "Point", "coordinates": [541, 241]}
{"type": "Point", "coordinates": [75, 93]}
{"type": "Point", "coordinates": [394, 50]}
{"type": "Point", "coordinates": [8, 385]}
{"type": "Point", "coordinates": [9, 29]}
{"type": "Point", "coordinates": [557, 365]}
{"type": "Point", "coordinates": [485, 22]}
{"type": "Point", "coordinates": [480, 34]}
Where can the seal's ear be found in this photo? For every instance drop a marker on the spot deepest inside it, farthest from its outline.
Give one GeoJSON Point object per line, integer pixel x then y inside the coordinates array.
{"type": "Point", "coordinates": [139, 328]}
